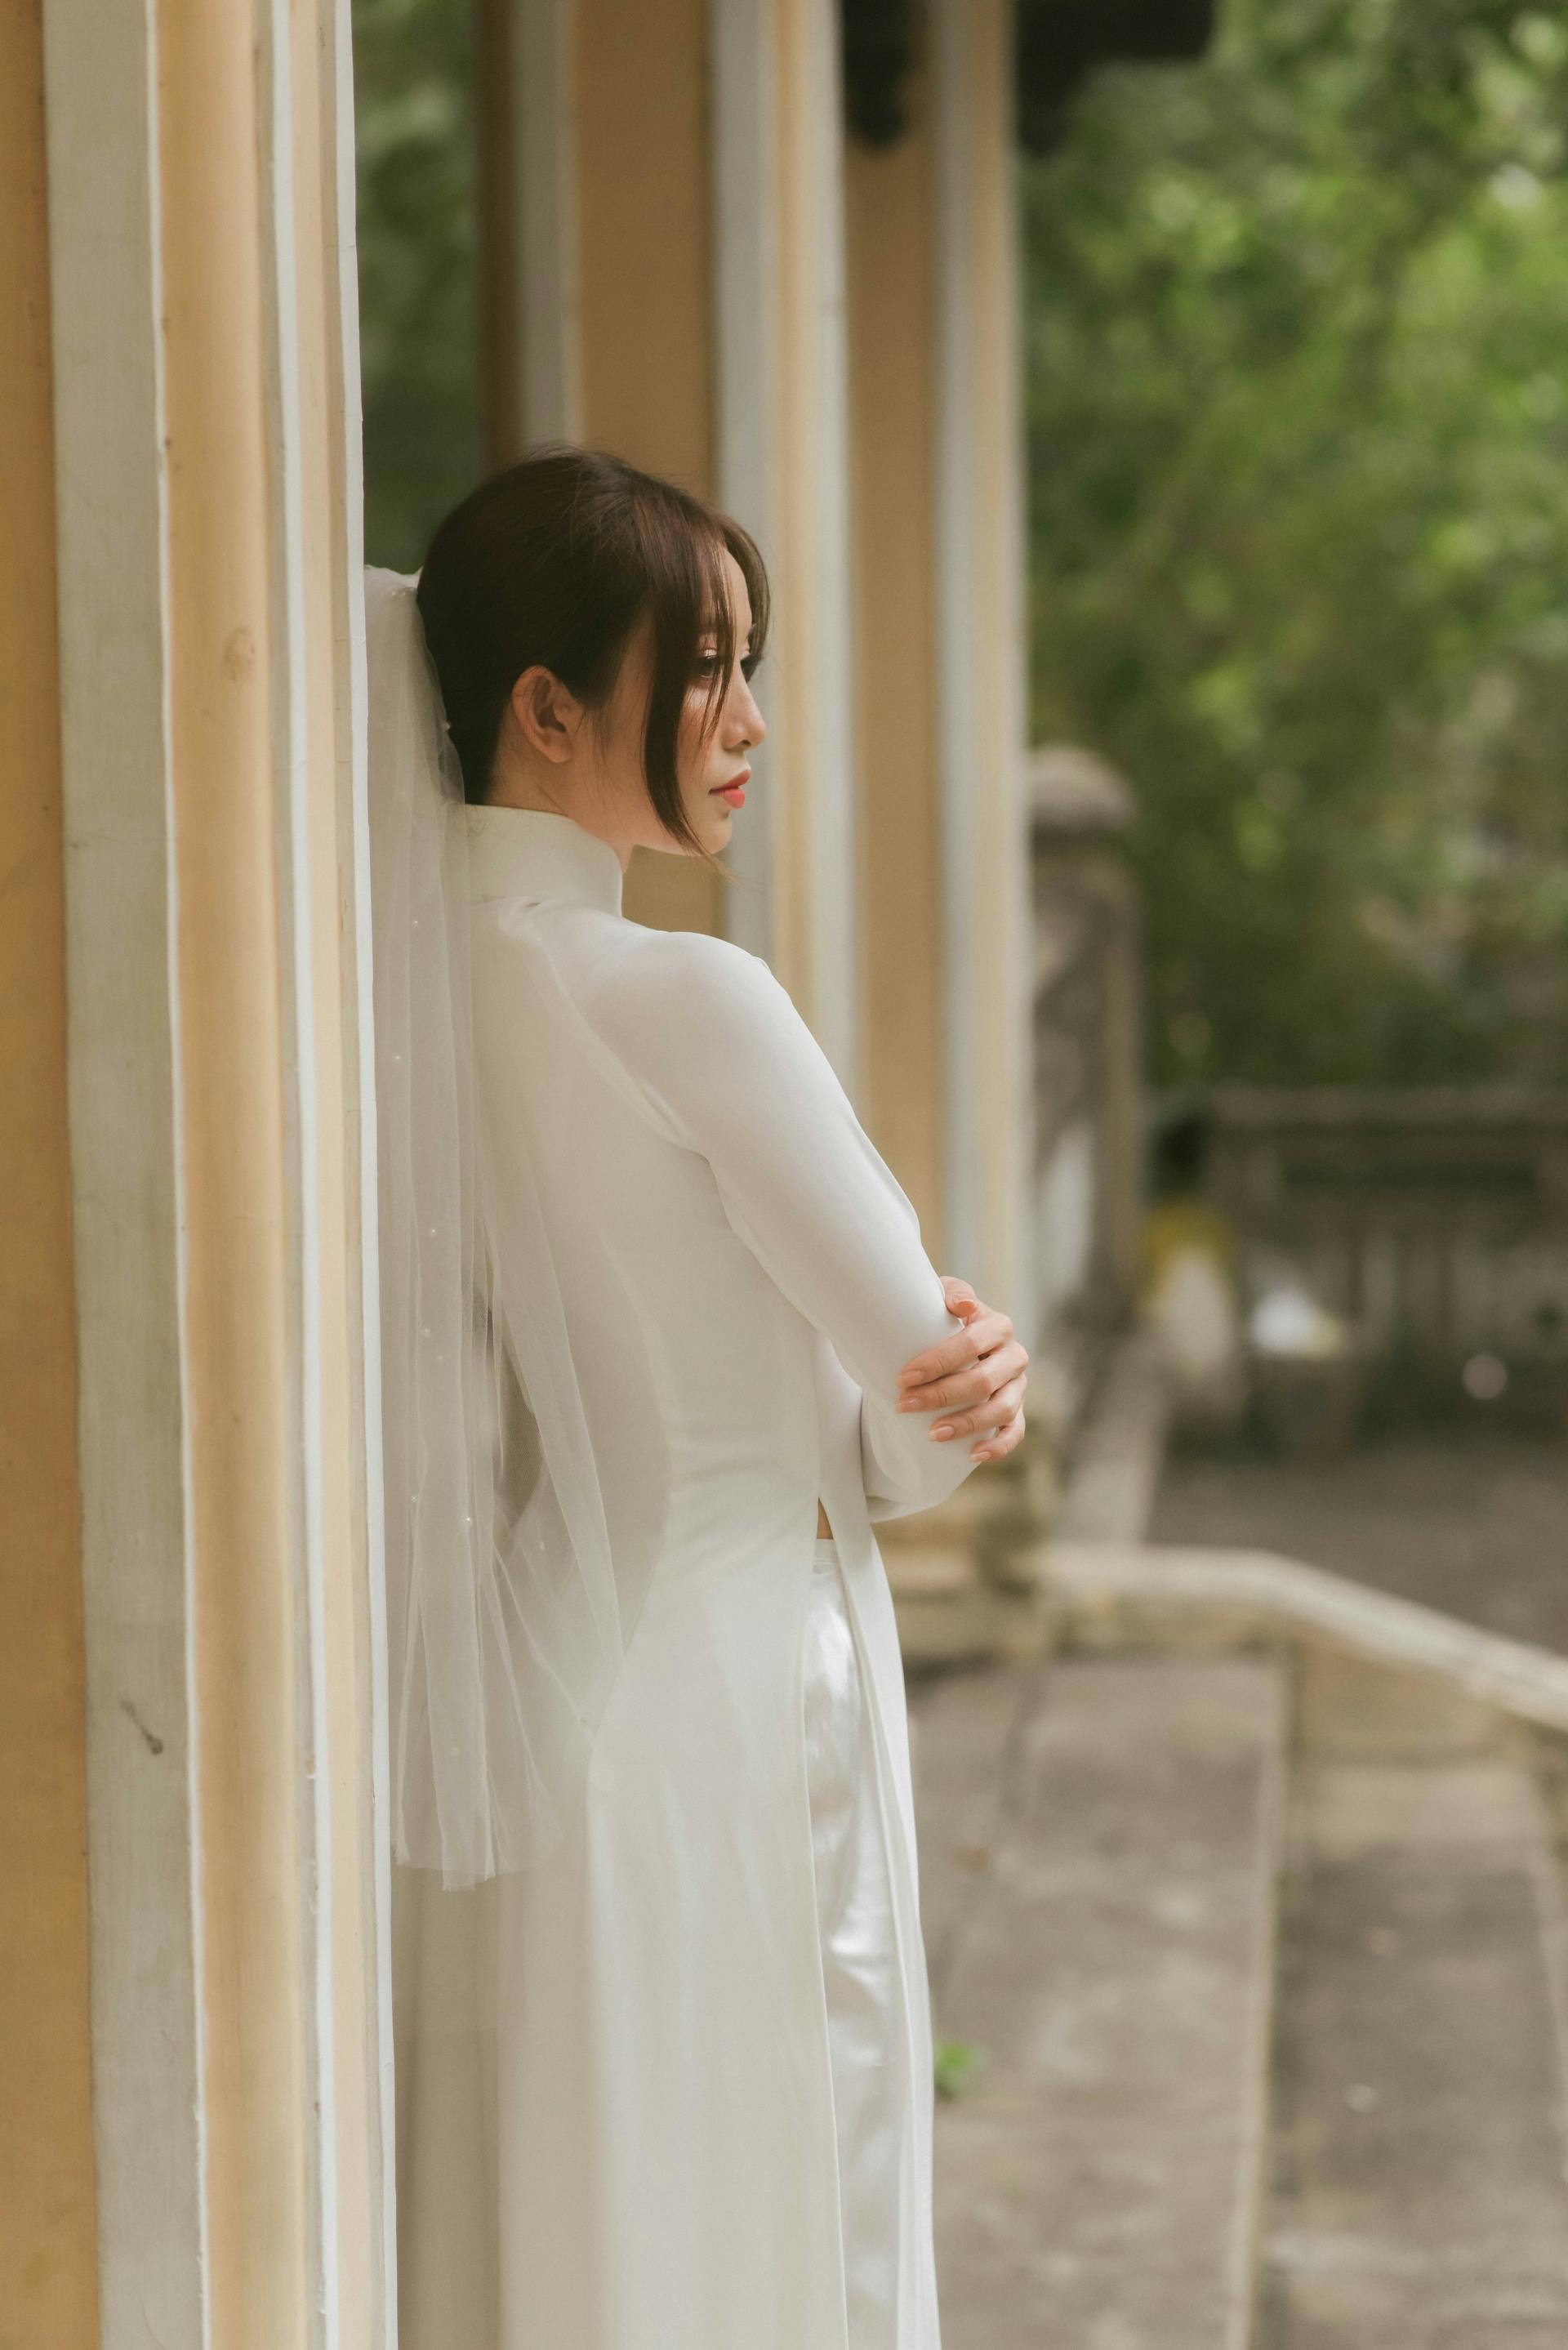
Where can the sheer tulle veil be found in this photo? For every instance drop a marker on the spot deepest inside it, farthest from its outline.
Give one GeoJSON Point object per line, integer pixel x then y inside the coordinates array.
{"type": "Point", "coordinates": [505, 1624]}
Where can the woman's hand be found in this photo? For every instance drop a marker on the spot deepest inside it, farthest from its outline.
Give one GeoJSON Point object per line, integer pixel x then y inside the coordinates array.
{"type": "Point", "coordinates": [979, 1371]}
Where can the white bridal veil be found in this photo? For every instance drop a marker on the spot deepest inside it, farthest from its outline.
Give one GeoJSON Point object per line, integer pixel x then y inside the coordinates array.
{"type": "Point", "coordinates": [503, 1622]}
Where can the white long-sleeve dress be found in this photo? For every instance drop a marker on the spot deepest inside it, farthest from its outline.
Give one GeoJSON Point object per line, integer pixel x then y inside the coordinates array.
{"type": "Point", "coordinates": [671, 2089]}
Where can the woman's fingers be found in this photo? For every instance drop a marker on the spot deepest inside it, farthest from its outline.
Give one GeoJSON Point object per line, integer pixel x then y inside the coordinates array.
{"type": "Point", "coordinates": [962, 1302]}
{"type": "Point", "coordinates": [997, 1447]}
{"type": "Point", "coordinates": [976, 1378]}
{"type": "Point", "coordinates": [975, 1381]}
{"type": "Point", "coordinates": [986, 1418]}
{"type": "Point", "coordinates": [985, 1330]}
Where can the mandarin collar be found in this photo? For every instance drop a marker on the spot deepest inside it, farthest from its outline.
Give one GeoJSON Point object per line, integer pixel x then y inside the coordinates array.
{"type": "Point", "coordinates": [533, 853]}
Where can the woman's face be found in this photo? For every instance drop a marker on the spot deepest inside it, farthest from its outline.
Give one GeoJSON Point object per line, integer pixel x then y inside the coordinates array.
{"type": "Point", "coordinates": [555, 755]}
{"type": "Point", "coordinates": [713, 774]}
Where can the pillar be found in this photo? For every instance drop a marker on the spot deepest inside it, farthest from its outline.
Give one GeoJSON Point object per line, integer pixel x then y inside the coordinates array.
{"type": "Point", "coordinates": [782, 467]}
{"type": "Point", "coordinates": [48, 2252]}
{"type": "Point", "coordinates": [210, 639]}
{"type": "Point", "coordinates": [938, 503]}
{"type": "Point", "coordinates": [891, 242]}
{"type": "Point", "coordinates": [988, 978]}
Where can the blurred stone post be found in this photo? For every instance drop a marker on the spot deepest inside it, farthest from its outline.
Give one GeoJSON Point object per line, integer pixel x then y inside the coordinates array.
{"type": "Point", "coordinates": [966, 1577]}
{"type": "Point", "coordinates": [1087, 1175]}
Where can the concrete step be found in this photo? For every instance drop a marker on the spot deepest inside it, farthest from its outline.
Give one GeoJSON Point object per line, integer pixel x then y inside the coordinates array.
{"type": "Point", "coordinates": [1100, 1855]}
{"type": "Point", "coordinates": [1419, 2193]}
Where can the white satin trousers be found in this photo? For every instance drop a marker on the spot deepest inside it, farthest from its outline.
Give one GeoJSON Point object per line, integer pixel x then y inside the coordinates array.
{"type": "Point", "coordinates": [457, 1992]}
{"type": "Point", "coordinates": [860, 1960]}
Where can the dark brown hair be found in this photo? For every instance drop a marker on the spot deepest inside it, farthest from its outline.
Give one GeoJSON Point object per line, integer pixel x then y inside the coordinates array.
{"type": "Point", "coordinates": [556, 561]}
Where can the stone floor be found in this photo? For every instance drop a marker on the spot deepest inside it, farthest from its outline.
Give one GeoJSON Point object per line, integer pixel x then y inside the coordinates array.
{"type": "Point", "coordinates": [1475, 1525]}
{"type": "Point", "coordinates": [1263, 1965]}
{"type": "Point", "coordinates": [1100, 1846]}
{"type": "Point", "coordinates": [1270, 1993]}
{"type": "Point", "coordinates": [1418, 2194]}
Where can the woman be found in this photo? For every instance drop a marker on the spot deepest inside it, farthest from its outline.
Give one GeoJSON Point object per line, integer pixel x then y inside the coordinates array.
{"type": "Point", "coordinates": [663, 2041]}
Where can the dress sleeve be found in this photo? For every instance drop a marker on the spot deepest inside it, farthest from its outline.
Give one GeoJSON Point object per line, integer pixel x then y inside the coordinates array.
{"type": "Point", "coordinates": [715, 1041]}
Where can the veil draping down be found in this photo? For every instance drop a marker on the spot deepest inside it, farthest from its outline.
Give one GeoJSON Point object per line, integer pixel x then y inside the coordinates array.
{"type": "Point", "coordinates": [505, 1626]}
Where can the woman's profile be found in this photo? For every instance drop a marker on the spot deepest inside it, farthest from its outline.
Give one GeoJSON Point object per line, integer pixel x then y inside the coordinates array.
{"type": "Point", "coordinates": [663, 2041]}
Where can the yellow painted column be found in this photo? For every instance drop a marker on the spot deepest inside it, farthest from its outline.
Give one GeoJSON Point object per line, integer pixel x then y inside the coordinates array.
{"type": "Point", "coordinates": [987, 978]}
{"type": "Point", "coordinates": [48, 2258]}
{"type": "Point", "coordinates": [892, 295]}
{"type": "Point", "coordinates": [782, 467]}
{"type": "Point", "coordinates": [210, 629]}
{"type": "Point", "coordinates": [937, 476]}
{"type": "Point", "coordinates": [231, 991]}
{"type": "Point", "coordinates": [263, 595]}
{"type": "Point", "coordinates": [644, 294]}
{"type": "Point", "coordinates": [816, 841]}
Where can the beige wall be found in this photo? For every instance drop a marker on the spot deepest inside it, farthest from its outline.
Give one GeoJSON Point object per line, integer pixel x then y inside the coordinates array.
{"type": "Point", "coordinates": [891, 296]}
{"type": "Point", "coordinates": [47, 2234]}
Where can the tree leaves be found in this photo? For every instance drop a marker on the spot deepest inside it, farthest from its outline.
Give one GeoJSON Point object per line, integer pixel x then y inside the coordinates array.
{"type": "Point", "coordinates": [1297, 334]}
{"type": "Point", "coordinates": [417, 160]}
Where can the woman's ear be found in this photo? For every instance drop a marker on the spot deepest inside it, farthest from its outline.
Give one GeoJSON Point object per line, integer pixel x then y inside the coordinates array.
{"type": "Point", "coordinates": [548, 712]}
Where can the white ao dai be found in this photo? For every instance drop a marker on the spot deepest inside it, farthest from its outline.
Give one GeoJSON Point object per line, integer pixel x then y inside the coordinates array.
{"type": "Point", "coordinates": [672, 2090]}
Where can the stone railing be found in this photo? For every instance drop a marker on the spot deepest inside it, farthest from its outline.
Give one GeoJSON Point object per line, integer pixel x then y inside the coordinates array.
{"type": "Point", "coordinates": [1435, 1220]}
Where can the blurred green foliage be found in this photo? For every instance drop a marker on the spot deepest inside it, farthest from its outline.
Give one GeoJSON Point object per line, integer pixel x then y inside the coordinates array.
{"type": "Point", "coordinates": [418, 171]}
{"type": "Point", "coordinates": [958, 2065]}
{"type": "Point", "coordinates": [1297, 381]}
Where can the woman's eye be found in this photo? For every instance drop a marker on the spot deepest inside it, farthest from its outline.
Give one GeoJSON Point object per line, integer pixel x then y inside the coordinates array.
{"type": "Point", "coordinates": [708, 662]}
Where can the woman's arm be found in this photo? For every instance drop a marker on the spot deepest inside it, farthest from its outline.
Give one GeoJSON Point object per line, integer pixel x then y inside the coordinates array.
{"type": "Point", "coordinates": [715, 1041]}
